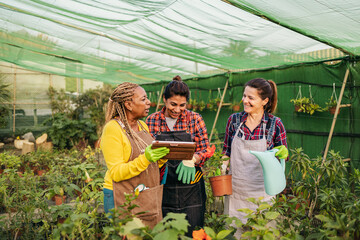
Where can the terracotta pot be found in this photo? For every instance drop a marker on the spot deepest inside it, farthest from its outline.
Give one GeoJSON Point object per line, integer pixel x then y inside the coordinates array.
{"type": "Point", "coordinates": [297, 108]}
{"type": "Point", "coordinates": [153, 104]}
{"type": "Point", "coordinates": [332, 110]}
{"type": "Point", "coordinates": [208, 106]}
{"type": "Point", "coordinates": [236, 108]}
{"type": "Point", "coordinates": [189, 106]}
{"type": "Point", "coordinates": [59, 199]}
{"type": "Point", "coordinates": [1, 171]}
{"type": "Point", "coordinates": [221, 185]}
{"type": "Point", "coordinates": [40, 172]}
{"type": "Point", "coordinates": [61, 220]}
{"type": "Point", "coordinates": [218, 104]}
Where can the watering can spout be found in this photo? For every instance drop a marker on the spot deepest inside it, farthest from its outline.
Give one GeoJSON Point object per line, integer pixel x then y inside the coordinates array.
{"type": "Point", "coordinates": [273, 171]}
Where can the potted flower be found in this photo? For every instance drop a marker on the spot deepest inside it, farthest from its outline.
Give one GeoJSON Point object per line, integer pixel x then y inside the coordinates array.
{"type": "Point", "coordinates": [306, 105]}
{"type": "Point", "coordinates": [331, 106]}
{"type": "Point", "coordinates": [221, 184]}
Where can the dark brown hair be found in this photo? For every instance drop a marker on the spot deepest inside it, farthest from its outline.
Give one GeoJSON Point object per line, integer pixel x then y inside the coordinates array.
{"type": "Point", "coordinates": [266, 89]}
{"type": "Point", "coordinates": [177, 87]}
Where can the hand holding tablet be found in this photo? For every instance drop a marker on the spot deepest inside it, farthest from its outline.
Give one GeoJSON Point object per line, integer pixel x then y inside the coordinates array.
{"type": "Point", "coordinates": [178, 150]}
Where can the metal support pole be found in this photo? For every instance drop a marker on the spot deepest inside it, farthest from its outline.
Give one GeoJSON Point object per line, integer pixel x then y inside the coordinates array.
{"type": "Point", "coordinates": [219, 108]}
{"type": "Point", "coordinates": [336, 114]}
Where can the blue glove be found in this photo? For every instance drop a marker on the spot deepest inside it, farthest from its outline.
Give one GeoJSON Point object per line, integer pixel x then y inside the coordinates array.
{"type": "Point", "coordinates": [283, 152]}
{"type": "Point", "coordinates": [186, 171]}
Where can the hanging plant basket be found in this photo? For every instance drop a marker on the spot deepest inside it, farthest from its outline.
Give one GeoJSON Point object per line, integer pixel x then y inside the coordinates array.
{"type": "Point", "coordinates": [332, 110]}
{"type": "Point", "coordinates": [236, 108]}
{"type": "Point", "coordinates": [221, 185]}
{"type": "Point", "coordinates": [153, 104]}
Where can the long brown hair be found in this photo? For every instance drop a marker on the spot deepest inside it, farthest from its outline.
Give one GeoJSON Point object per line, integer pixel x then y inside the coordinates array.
{"type": "Point", "coordinates": [266, 89]}
{"type": "Point", "coordinates": [116, 109]}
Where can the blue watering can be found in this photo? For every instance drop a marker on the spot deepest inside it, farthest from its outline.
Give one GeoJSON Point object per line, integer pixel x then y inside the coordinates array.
{"type": "Point", "coordinates": [273, 171]}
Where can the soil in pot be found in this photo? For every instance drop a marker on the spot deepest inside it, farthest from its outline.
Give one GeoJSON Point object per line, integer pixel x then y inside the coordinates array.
{"type": "Point", "coordinates": [221, 185]}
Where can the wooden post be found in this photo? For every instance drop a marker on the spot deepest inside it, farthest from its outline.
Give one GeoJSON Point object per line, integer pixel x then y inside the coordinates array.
{"type": "Point", "coordinates": [14, 98]}
{"type": "Point", "coordinates": [159, 100]}
{"type": "Point", "coordinates": [336, 114]}
{"type": "Point", "coordinates": [219, 108]}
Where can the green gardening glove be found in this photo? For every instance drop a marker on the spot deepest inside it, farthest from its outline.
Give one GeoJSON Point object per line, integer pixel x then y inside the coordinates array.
{"type": "Point", "coordinates": [155, 154]}
{"type": "Point", "coordinates": [283, 152]}
{"type": "Point", "coordinates": [186, 171]}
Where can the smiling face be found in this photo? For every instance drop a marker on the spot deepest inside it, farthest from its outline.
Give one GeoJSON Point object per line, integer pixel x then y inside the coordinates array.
{"type": "Point", "coordinates": [253, 104]}
{"type": "Point", "coordinates": [174, 105]}
{"type": "Point", "coordinates": [139, 106]}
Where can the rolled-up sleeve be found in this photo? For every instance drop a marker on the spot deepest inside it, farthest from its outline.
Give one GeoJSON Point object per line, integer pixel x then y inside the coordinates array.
{"type": "Point", "coordinates": [201, 139]}
{"type": "Point", "coordinates": [229, 134]}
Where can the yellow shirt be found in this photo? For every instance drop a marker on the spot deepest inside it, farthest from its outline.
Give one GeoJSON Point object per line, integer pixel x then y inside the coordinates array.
{"type": "Point", "coordinates": [116, 149]}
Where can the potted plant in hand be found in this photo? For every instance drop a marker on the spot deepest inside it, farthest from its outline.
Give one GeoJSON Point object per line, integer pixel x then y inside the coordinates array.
{"type": "Point", "coordinates": [220, 182]}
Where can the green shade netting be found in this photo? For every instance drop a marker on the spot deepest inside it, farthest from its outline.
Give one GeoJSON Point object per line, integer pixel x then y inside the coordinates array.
{"type": "Point", "coordinates": [149, 41]}
{"type": "Point", "coordinates": [336, 23]}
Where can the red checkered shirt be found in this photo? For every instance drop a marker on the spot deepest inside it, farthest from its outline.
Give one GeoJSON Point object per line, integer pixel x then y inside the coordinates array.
{"type": "Point", "coordinates": [279, 137]}
{"type": "Point", "coordinates": [187, 120]}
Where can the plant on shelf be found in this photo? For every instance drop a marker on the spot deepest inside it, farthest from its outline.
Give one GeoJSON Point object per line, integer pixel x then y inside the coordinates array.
{"type": "Point", "coordinates": [306, 105]}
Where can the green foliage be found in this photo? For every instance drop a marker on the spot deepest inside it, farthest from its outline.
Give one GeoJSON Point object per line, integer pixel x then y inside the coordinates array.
{"type": "Point", "coordinates": [306, 105]}
{"type": "Point", "coordinates": [60, 102]}
{"type": "Point", "coordinates": [331, 103]}
{"type": "Point", "coordinates": [4, 97]}
{"type": "Point", "coordinates": [93, 103]}
{"type": "Point", "coordinates": [67, 133]}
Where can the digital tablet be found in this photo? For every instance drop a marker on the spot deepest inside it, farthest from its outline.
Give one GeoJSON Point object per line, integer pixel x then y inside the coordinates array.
{"type": "Point", "coordinates": [178, 150]}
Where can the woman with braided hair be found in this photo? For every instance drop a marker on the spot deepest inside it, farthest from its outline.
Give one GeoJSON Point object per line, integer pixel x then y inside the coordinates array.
{"type": "Point", "coordinates": [131, 163]}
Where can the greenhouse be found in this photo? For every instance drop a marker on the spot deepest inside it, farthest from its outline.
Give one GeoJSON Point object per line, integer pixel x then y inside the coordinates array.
{"type": "Point", "coordinates": [60, 62]}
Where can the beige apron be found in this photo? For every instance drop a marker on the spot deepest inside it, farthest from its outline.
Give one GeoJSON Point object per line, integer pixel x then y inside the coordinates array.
{"type": "Point", "coordinates": [149, 200]}
{"type": "Point", "coordinates": [247, 175]}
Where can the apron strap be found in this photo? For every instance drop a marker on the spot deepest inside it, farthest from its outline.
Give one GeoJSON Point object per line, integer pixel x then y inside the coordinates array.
{"type": "Point", "coordinates": [243, 135]}
{"type": "Point", "coordinates": [271, 131]}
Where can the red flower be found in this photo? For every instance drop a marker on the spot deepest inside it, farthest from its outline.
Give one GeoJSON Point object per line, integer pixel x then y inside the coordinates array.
{"type": "Point", "coordinates": [210, 151]}
{"type": "Point", "coordinates": [200, 234]}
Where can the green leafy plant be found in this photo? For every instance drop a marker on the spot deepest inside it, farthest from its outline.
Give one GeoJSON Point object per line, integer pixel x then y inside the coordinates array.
{"type": "Point", "coordinates": [306, 105]}
{"type": "Point", "coordinates": [4, 97]}
{"type": "Point", "coordinates": [201, 105]}
{"type": "Point", "coordinates": [68, 133]}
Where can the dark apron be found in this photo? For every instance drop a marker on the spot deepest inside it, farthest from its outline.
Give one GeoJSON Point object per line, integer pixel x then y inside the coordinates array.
{"type": "Point", "coordinates": [179, 197]}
